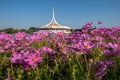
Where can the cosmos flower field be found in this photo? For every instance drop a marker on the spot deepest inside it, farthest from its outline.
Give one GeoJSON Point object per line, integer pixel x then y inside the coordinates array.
{"type": "Point", "coordinates": [90, 54]}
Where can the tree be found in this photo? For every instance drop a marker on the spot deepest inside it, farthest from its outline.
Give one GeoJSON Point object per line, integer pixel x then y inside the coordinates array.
{"type": "Point", "coordinates": [9, 30]}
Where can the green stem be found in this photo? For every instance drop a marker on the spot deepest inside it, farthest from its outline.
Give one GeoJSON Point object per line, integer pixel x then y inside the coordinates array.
{"type": "Point", "coordinates": [79, 64]}
{"type": "Point", "coordinates": [88, 74]}
{"type": "Point", "coordinates": [8, 73]}
{"type": "Point", "coordinates": [73, 73]}
{"type": "Point", "coordinates": [86, 61]}
{"type": "Point", "coordinates": [12, 68]}
{"type": "Point", "coordinates": [36, 72]}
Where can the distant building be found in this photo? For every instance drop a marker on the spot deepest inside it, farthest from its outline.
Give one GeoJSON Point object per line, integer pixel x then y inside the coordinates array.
{"type": "Point", "coordinates": [54, 26]}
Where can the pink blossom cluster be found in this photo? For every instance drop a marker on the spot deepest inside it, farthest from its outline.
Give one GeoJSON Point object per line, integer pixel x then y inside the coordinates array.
{"type": "Point", "coordinates": [30, 50]}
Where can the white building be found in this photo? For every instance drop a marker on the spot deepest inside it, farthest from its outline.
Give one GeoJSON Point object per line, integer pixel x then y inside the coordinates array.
{"type": "Point", "coordinates": [54, 26]}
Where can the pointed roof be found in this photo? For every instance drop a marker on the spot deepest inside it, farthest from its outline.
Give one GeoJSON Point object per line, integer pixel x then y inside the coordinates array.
{"type": "Point", "coordinates": [54, 24]}
{"type": "Point", "coordinates": [53, 21]}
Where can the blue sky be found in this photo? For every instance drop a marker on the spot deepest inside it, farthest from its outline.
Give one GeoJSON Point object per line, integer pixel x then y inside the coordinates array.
{"type": "Point", "coordinates": [73, 13]}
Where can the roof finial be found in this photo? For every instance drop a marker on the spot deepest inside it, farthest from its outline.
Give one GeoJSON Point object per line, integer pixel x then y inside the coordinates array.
{"type": "Point", "coordinates": [53, 18]}
{"type": "Point", "coordinates": [53, 14]}
{"type": "Point", "coordinates": [53, 21]}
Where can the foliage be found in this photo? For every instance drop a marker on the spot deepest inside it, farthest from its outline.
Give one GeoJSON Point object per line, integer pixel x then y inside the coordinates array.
{"type": "Point", "coordinates": [12, 30]}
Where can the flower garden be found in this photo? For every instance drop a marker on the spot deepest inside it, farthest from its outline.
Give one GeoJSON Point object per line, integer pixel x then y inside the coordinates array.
{"type": "Point", "coordinates": [92, 54]}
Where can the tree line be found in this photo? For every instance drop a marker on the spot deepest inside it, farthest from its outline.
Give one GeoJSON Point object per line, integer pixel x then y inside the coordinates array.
{"type": "Point", "coordinates": [12, 30]}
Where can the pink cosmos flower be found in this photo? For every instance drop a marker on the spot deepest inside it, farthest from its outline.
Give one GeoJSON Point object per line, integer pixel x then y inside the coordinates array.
{"type": "Point", "coordinates": [8, 79]}
{"type": "Point", "coordinates": [98, 38]}
{"type": "Point", "coordinates": [35, 37]}
{"type": "Point", "coordinates": [20, 35]}
{"type": "Point", "coordinates": [4, 36]}
{"type": "Point", "coordinates": [86, 45]}
{"type": "Point", "coordinates": [47, 49]}
{"type": "Point", "coordinates": [112, 49]}
{"type": "Point", "coordinates": [88, 24]}
{"type": "Point", "coordinates": [1, 50]}
{"type": "Point", "coordinates": [99, 22]}
{"type": "Point", "coordinates": [17, 58]}
{"type": "Point", "coordinates": [60, 34]}
{"type": "Point", "coordinates": [101, 67]}
{"type": "Point", "coordinates": [44, 34]}
{"type": "Point", "coordinates": [113, 45]}
{"type": "Point", "coordinates": [7, 45]}
{"type": "Point", "coordinates": [86, 27]}
{"type": "Point", "coordinates": [33, 59]}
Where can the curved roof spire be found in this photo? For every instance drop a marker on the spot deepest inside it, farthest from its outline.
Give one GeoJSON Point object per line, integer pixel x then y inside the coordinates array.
{"type": "Point", "coordinates": [53, 16]}
{"type": "Point", "coordinates": [53, 21]}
